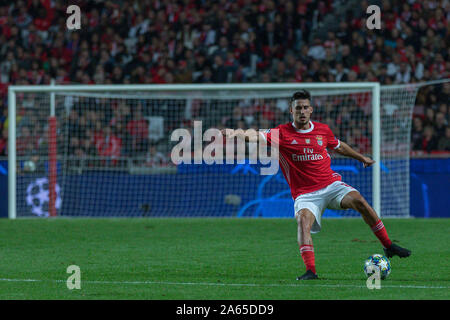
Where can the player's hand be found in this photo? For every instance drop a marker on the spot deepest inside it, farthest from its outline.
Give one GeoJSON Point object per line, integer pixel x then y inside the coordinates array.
{"type": "Point", "coordinates": [367, 162]}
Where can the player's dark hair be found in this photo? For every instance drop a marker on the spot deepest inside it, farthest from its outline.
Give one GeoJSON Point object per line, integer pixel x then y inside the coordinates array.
{"type": "Point", "coordinates": [302, 94]}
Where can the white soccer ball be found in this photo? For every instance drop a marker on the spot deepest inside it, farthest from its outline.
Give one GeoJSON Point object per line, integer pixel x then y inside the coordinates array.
{"type": "Point", "coordinates": [380, 262]}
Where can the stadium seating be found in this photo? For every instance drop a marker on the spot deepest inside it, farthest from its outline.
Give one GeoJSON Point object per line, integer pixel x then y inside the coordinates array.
{"type": "Point", "coordinates": [232, 41]}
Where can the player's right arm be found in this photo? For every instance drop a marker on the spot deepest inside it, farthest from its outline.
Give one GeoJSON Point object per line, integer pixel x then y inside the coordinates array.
{"type": "Point", "coordinates": [249, 135]}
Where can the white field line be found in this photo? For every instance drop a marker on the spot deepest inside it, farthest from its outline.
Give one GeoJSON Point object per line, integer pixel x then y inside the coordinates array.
{"type": "Point", "coordinates": [228, 284]}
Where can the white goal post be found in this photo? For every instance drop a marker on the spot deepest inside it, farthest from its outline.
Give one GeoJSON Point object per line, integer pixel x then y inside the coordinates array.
{"type": "Point", "coordinates": [373, 88]}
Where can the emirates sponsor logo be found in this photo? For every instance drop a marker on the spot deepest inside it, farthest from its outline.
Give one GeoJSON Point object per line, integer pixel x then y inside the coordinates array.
{"type": "Point", "coordinates": [307, 157]}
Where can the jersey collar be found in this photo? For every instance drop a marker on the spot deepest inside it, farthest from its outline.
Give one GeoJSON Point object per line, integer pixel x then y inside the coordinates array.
{"type": "Point", "coordinates": [311, 128]}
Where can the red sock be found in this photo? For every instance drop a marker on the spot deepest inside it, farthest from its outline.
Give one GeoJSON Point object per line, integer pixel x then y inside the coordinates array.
{"type": "Point", "coordinates": [307, 252]}
{"type": "Point", "coordinates": [380, 231]}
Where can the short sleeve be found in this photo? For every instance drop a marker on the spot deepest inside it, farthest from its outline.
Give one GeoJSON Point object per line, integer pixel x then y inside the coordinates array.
{"type": "Point", "coordinates": [332, 141]}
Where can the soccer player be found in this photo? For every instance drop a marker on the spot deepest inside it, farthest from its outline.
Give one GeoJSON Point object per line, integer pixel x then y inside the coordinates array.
{"type": "Point", "coordinates": [305, 163]}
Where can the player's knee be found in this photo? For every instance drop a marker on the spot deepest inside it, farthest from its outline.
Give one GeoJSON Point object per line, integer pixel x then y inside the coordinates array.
{"type": "Point", "coordinates": [359, 203]}
{"type": "Point", "coordinates": [304, 219]}
{"type": "Point", "coordinates": [299, 216]}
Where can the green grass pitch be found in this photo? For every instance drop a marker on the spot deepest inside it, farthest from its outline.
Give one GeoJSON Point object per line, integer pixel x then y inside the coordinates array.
{"type": "Point", "coordinates": [214, 258]}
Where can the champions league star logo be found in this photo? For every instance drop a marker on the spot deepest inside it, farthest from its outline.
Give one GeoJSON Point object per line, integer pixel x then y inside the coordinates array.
{"type": "Point", "coordinates": [38, 197]}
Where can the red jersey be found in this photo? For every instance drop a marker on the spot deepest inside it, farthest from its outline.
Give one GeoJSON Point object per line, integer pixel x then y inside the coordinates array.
{"type": "Point", "coordinates": [303, 156]}
{"type": "Point", "coordinates": [138, 128]}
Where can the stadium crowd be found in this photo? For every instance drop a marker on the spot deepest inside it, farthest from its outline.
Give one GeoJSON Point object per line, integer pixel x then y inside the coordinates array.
{"type": "Point", "coordinates": [201, 41]}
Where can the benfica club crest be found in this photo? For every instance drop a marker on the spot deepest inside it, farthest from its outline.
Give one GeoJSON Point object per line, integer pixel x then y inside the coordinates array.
{"type": "Point", "coordinates": [319, 140]}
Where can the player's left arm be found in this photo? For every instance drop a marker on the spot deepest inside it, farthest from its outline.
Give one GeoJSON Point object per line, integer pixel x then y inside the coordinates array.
{"type": "Point", "coordinates": [345, 150]}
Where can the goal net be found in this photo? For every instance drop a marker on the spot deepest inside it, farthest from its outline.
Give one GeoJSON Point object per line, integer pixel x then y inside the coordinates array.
{"type": "Point", "coordinates": [93, 152]}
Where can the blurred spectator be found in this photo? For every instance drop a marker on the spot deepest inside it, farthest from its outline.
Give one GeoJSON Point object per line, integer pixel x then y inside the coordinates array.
{"type": "Point", "coordinates": [108, 144]}
{"type": "Point", "coordinates": [444, 141]}
{"type": "Point", "coordinates": [416, 134]}
{"type": "Point", "coordinates": [429, 141]}
{"type": "Point", "coordinates": [440, 124]}
{"type": "Point", "coordinates": [429, 117]}
{"type": "Point", "coordinates": [154, 158]}
{"type": "Point", "coordinates": [220, 74]}
{"type": "Point", "coordinates": [317, 51]}
{"type": "Point", "coordinates": [137, 129]}
{"type": "Point", "coordinates": [339, 72]}
{"type": "Point", "coordinates": [183, 74]}
{"type": "Point", "coordinates": [4, 143]}
{"type": "Point", "coordinates": [25, 142]}
{"type": "Point", "coordinates": [237, 116]}
{"type": "Point", "coordinates": [362, 143]}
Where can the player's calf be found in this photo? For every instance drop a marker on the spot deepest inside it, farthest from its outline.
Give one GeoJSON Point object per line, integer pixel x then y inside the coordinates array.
{"type": "Point", "coordinates": [305, 220]}
{"type": "Point", "coordinates": [357, 202]}
{"type": "Point", "coordinates": [354, 200]}
{"type": "Point", "coordinates": [390, 249]}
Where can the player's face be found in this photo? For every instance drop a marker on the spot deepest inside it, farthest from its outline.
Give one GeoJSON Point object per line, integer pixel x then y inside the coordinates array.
{"type": "Point", "coordinates": [301, 110]}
